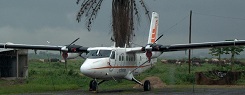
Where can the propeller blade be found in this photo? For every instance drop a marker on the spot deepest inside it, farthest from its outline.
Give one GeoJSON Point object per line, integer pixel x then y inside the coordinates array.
{"type": "Point", "coordinates": [73, 42]}
{"type": "Point", "coordinates": [148, 55]}
{"type": "Point", "coordinates": [65, 55]}
{"type": "Point", "coordinates": [65, 48]}
{"type": "Point", "coordinates": [158, 38]}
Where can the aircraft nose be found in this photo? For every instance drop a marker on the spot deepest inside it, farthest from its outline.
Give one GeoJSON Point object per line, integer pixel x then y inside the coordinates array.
{"type": "Point", "coordinates": [88, 67]}
{"type": "Point", "coordinates": [85, 69]}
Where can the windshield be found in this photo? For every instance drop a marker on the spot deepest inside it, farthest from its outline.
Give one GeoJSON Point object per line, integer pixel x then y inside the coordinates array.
{"type": "Point", "coordinates": [99, 53]}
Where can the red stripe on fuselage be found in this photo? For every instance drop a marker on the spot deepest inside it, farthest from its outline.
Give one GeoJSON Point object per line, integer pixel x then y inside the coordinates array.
{"type": "Point", "coordinates": [121, 67]}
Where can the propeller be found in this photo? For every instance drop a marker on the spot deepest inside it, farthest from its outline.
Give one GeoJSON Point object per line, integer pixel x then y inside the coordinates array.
{"type": "Point", "coordinates": [65, 51]}
{"type": "Point", "coordinates": [149, 47]}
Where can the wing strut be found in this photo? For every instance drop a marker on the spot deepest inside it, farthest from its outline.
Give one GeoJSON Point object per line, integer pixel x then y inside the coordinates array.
{"type": "Point", "coordinates": [139, 66]}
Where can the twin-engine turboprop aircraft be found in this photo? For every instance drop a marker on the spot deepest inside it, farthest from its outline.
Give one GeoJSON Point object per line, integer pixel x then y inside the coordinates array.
{"type": "Point", "coordinates": [113, 63]}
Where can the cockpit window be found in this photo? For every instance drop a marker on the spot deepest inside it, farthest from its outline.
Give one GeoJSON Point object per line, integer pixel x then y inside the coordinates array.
{"type": "Point", "coordinates": [99, 53]}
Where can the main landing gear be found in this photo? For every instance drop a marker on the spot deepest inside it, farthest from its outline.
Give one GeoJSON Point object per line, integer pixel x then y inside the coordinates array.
{"type": "Point", "coordinates": [147, 85]}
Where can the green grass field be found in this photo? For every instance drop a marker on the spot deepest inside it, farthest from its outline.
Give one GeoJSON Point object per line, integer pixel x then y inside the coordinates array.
{"type": "Point", "coordinates": [45, 77]}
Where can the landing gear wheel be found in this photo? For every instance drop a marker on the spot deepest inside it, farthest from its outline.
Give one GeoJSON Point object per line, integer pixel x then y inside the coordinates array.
{"type": "Point", "coordinates": [90, 85]}
{"type": "Point", "coordinates": [93, 86]}
{"type": "Point", "coordinates": [147, 85]}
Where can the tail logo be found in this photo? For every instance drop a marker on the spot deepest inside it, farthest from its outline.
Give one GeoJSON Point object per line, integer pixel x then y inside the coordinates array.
{"type": "Point", "coordinates": [153, 35]}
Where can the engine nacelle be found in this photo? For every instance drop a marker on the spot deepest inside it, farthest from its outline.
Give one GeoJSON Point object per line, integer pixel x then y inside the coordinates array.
{"type": "Point", "coordinates": [70, 55]}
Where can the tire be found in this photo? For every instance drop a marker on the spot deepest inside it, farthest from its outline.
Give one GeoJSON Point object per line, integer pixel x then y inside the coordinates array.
{"type": "Point", "coordinates": [90, 85]}
{"type": "Point", "coordinates": [94, 86]}
{"type": "Point", "coordinates": [147, 85]}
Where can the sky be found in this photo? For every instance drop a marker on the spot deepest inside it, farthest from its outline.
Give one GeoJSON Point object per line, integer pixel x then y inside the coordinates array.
{"type": "Point", "coordinates": [39, 21]}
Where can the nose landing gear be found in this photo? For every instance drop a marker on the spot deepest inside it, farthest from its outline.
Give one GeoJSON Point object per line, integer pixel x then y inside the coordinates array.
{"type": "Point", "coordinates": [93, 86]}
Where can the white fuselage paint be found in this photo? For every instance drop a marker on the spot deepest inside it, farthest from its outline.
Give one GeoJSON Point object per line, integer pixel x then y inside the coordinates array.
{"type": "Point", "coordinates": [108, 68]}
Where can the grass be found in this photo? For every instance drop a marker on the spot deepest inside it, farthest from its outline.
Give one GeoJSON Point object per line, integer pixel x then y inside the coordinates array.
{"type": "Point", "coordinates": [45, 77]}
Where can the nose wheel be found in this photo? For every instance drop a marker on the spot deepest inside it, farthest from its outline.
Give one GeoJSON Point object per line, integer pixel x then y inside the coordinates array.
{"type": "Point", "coordinates": [93, 86]}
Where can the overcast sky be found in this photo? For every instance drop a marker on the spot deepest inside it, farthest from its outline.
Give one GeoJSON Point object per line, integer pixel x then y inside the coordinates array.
{"type": "Point", "coordinates": [39, 21]}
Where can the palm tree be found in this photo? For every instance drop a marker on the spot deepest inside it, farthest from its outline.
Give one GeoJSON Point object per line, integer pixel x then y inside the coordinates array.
{"type": "Point", "coordinates": [124, 16]}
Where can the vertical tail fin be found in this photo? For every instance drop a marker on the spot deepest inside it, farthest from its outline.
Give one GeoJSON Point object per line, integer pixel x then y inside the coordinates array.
{"type": "Point", "coordinates": [153, 33]}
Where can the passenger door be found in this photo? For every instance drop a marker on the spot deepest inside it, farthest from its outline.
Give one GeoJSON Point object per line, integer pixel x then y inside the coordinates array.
{"type": "Point", "coordinates": [112, 60]}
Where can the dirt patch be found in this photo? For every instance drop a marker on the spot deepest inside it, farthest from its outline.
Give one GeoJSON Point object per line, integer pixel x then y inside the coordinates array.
{"type": "Point", "coordinates": [156, 82]}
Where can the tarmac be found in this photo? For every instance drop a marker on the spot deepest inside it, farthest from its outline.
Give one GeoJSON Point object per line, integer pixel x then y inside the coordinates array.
{"type": "Point", "coordinates": [162, 91]}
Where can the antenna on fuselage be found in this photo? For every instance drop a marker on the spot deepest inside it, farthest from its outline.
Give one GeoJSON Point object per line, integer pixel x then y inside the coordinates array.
{"type": "Point", "coordinates": [114, 44]}
{"type": "Point", "coordinates": [125, 45]}
{"type": "Point", "coordinates": [113, 40]}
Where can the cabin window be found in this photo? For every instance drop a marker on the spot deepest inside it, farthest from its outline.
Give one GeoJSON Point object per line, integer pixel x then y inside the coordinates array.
{"type": "Point", "coordinates": [127, 58]}
{"type": "Point", "coordinates": [122, 58]}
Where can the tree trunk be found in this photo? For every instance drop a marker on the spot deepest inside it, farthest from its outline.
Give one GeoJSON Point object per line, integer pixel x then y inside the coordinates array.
{"type": "Point", "coordinates": [122, 19]}
{"type": "Point", "coordinates": [232, 60]}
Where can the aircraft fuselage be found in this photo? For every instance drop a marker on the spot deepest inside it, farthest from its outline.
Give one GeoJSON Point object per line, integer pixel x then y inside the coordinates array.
{"type": "Point", "coordinates": [109, 63]}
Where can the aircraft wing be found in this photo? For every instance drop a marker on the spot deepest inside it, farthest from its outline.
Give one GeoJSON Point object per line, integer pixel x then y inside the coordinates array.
{"type": "Point", "coordinates": [135, 50]}
{"type": "Point", "coordinates": [66, 48]}
{"type": "Point", "coordinates": [179, 47]}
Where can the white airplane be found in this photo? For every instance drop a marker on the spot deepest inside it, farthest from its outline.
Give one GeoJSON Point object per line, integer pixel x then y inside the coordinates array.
{"type": "Point", "coordinates": [113, 63]}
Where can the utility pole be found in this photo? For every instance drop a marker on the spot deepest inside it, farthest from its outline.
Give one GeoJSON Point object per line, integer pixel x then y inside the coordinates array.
{"type": "Point", "coordinates": [189, 57]}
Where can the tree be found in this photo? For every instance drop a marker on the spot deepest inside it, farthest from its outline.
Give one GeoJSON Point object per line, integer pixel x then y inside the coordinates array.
{"type": "Point", "coordinates": [217, 51]}
{"type": "Point", "coordinates": [124, 16]}
{"type": "Point", "coordinates": [233, 50]}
